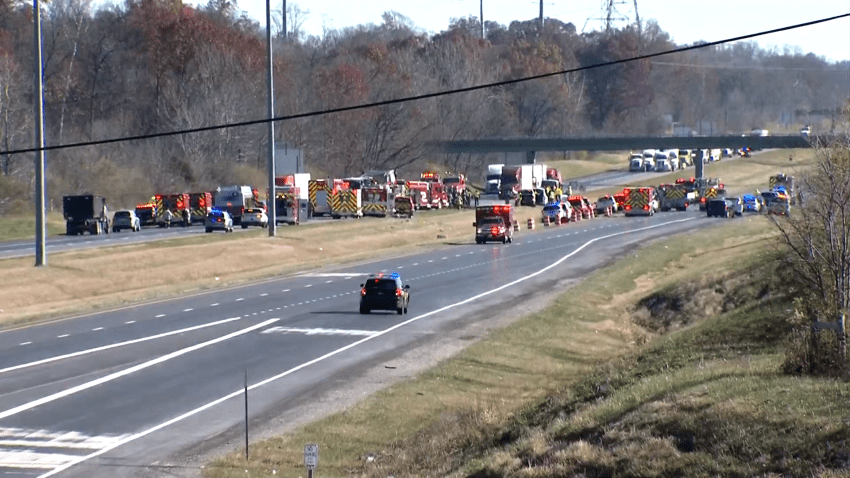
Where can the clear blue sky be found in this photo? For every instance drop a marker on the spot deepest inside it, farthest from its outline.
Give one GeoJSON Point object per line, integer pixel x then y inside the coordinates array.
{"type": "Point", "coordinates": [686, 21]}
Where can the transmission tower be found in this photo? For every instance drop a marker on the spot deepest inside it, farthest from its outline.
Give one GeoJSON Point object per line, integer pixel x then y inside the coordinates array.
{"type": "Point", "coordinates": [616, 11]}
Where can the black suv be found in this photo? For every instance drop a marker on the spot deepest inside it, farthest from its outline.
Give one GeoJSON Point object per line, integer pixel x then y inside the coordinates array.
{"type": "Point", "coordinates": [384, 292]}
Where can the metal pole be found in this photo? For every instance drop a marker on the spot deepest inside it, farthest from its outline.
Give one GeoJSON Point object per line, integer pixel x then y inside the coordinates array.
{"type": "Point", "coordinates": [246, 414]}
{"type": "Point", "coordinates": [271, 206]}
{"type": "Point", "coordinates": [40, 246]}
{"type": "Point", "coordinates": [285, 32]}
{"type": "Point", "coordinates": [481, 17]}
{"type": "Point", "coordinates": [541, 15]}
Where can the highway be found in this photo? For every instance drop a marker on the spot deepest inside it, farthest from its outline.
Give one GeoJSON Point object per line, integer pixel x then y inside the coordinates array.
{"type": "Point", "coordinates": [131, 392]}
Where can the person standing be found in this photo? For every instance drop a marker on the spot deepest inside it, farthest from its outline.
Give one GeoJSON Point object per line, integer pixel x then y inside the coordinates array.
{"type": "Point", "coordinates": [168, 216]}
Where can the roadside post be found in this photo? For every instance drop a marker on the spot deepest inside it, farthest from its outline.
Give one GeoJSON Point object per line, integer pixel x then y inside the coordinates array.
{"type": "Point", "coordinates": [311, 458]}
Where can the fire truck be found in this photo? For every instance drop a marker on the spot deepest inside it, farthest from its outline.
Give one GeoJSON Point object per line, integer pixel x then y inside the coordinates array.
{"type": "Point", "coordinates": [286, 199]}
{"type": "Point", "coordinates": [178, 204]}
{"type": "Point", "coordinates": [377, 201]}
{"type": "Point", "coordinates": [420, 191]}
{"type": "Point", "coordinates": [147, 213]}
{"type": "Point", "coordinates": [235, 199]}
{"type": "Point", "coordinates": [319, 192]}
{"type": "Point", "coordinates": [345, 201]}
{"type": "Point", "coordinates": [494, 223]}
{"type": "Point", "coordinates": [199, 206]}
{"type": "Point", "coordinates": [640, 201]}
{"type": "Point", "coordinates": [673, 196]}
{"type": "Point", "coordinates": [436, 190]}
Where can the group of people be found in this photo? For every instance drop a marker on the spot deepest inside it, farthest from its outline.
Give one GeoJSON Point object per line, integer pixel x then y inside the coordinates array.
{"type": "Point", "coordinates": [168, 216]}
{"type": "Point", "coordinates": [462, 199]}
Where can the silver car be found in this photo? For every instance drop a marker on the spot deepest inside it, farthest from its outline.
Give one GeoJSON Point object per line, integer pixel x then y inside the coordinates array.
{"type": "Point", "coordinates": [126, 220]}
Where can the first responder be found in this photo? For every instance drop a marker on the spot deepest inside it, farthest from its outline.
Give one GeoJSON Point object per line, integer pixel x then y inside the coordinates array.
{"type": "Point", "coordinates": [168, 216]}
{"type": "Point", "coordinates": [186, 218]}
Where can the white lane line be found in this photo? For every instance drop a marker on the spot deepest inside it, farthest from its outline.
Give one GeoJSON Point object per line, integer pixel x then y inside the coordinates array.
{"type": "Point", "coordinates": [214, 305]}
{"type": "Point", "coordinates": [62, 336]}
{"type": "Point", "coordinates": [97, 328]}
{"type": "Point", "coordinates": [240, 299]}
{"type": "Point", "coordinates": [85, 386]}
{"type": "Point", "coordinates": [158, 316]}
{"type": "Point", "coordinates": [328, 281]}
{"type": "Point", "coordinates": [188, 310]}
{"type": "Point", "coordinates": [431, 260]}
{"type": "Point", "coordinates": [263, 295]}
{"type": "Point", "coordinates": [286, 330]}
{"type": "Point", "coordinates": [239, 392]}
{"type": "Point", "coordinates": [112, 346]}
{"type": "Point", "coordinates": [130, 322]}
{"type": "Point", "coordinates": [308, 285]}
{"type": "Point", "coordinates": [24, 343]}
{"type": "Point", "coordinates": [285, 290]}
{"type": "Point", "coordinates": [444, 258]}
{"type": "Point", "coordinates": [415, 263]}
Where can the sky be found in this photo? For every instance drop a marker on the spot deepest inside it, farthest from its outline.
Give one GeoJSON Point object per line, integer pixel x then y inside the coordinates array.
{"type": "Point", "coordinates": [686, 21]}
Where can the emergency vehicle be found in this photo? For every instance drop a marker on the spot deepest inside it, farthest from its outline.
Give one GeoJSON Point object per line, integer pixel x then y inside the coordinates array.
{"type": "Point", "coordinates": [420, 192]}
{"type": "Point", "coordinates": [176, 203]}
{"type": "Point", "coordinates": [437, 195]}
{"type": "Point", "coordinates": [147, 213]}
{"type": "Point", "coordinates": [713, 192]}
{"type": "Point", "coordinates": [286, 205]}
{"type": "Point", "coordinates": [673, 196]}
{"type": "Point", "coordinates": [377, 201]}
{"type": "Point", "coordinates": [455, 183]}
{"type": "Point", "coordinates": [403, 207]}
{"type": "Point", "coordinates": [783, 183]}
{"type": "Point", "coordinates": [346, 202]}
{"type": "Point", "coordinates": [235, 199]}
{"type": "Point", "coordinates": [582, 206]}
{"type": "Point", "coordinates": [639, 201]}
{"type": "Point", "coordinates": [319, 192]}
{"type": "Point", "coordinates": [199, 206]}
{"type": "Point", "coordinates": [494, 223]}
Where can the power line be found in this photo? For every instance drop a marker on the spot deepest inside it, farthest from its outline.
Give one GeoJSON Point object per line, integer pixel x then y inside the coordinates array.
{"type": "Point", "coordinates": [423, 96]}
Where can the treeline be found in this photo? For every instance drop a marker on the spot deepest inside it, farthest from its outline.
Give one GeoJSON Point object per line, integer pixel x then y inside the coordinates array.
{"type": "Point", "coordinates": [153, 66]}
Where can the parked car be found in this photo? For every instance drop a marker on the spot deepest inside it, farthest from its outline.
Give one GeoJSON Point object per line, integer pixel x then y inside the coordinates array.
{"type": "Point", "coordinates": [218, 220]}
{"type": "Point", "coordinates": [126, 220]}
{"type": "Point", "coordinates": [558, 212]}
{"type": "Point", "coordinates": [717, 208]}
{"type": "Point", "coordinates": [752, 203]}
{"type": "Point", "coordinates": [736, 206]}
{"type": "Point", "coordinates": [254, 217]}
{"type": "Point", "coordinates": [605, 202]}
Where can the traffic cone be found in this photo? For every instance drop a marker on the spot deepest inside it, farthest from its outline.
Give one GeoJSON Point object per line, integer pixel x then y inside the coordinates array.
{"type": "Point", "coordinates": [530, 223]}
{"type": "Point", "coordinates": [608, 211]}
{"type": "Point", "coordinates": [546, 222]}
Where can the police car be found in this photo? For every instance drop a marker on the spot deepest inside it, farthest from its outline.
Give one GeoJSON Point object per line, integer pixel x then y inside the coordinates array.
{"type": "Point", "coordinates": [218, 220]}
{"type": "Point", "coordinates": [384, 292]}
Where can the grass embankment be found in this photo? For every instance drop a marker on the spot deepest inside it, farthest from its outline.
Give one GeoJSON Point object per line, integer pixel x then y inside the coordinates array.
{"type": "Point", "coordinates": [23, 227]}
{"type": "Point", "coordinates": [702, 397]}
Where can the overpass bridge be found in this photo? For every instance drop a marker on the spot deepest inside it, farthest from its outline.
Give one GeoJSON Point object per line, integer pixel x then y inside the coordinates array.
{"type": "Point", "coordinates": [619, 143]}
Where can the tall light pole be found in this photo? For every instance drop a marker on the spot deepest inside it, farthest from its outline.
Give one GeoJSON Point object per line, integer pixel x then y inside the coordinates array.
{"type": "Point", "coordinates": [271, 206]}
{"type": "Point", "coordinates": [40, 245]}
{"type": "Point", "coordinates": [481, 17]}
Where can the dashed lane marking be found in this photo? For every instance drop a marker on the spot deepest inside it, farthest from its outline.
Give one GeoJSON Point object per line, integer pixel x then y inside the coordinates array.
{"type": "Point", "coordinates": [62, 336]}
{"type": "Point", "coordinates": [159, 315]}
{"type": "Point", "coordinates": [97, 328]}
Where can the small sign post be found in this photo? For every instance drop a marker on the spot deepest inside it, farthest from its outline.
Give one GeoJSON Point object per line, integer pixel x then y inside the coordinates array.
{"type": "Point", "coordinates": [311, 458]}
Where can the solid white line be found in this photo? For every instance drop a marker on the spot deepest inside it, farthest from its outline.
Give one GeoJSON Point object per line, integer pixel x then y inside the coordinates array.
{"type": "Point", "coordinates": [112, 346]}
{"type": "Point", "coordinates": [286, 330]}
{"type": "Point", "coordinates": [125, 372]}
{"type": "Point", "coordinates": [340, 350]}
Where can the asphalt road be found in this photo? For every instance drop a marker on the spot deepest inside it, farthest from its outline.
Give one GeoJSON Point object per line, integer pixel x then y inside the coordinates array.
{"type": "Point", "coordinates": [121, 392]}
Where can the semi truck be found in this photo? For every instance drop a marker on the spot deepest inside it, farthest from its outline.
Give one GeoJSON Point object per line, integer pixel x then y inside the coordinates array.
{"type": "Point", "coordinates": [494, 175]}
{"type": "Point", "coordinates": [86, 213]}
{"type": "Point", "coordinates": [516, 178]}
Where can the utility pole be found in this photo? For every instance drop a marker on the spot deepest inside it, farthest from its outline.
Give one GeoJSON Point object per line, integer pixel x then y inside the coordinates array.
{"type": "Point", "coordinates": [40, 246]}
{"type": "Point", "coordinates": [481, 18]}
{"type": "Point", "coordinates": [270, 206]}
{"type": "Point", "coordinates": [541, 15]}
{"type": "Point", "coordinates": [285, 31]}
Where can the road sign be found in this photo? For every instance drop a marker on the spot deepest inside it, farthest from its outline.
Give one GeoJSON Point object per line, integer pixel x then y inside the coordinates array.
{"type": "Point", "coordinates": [311, 456]}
